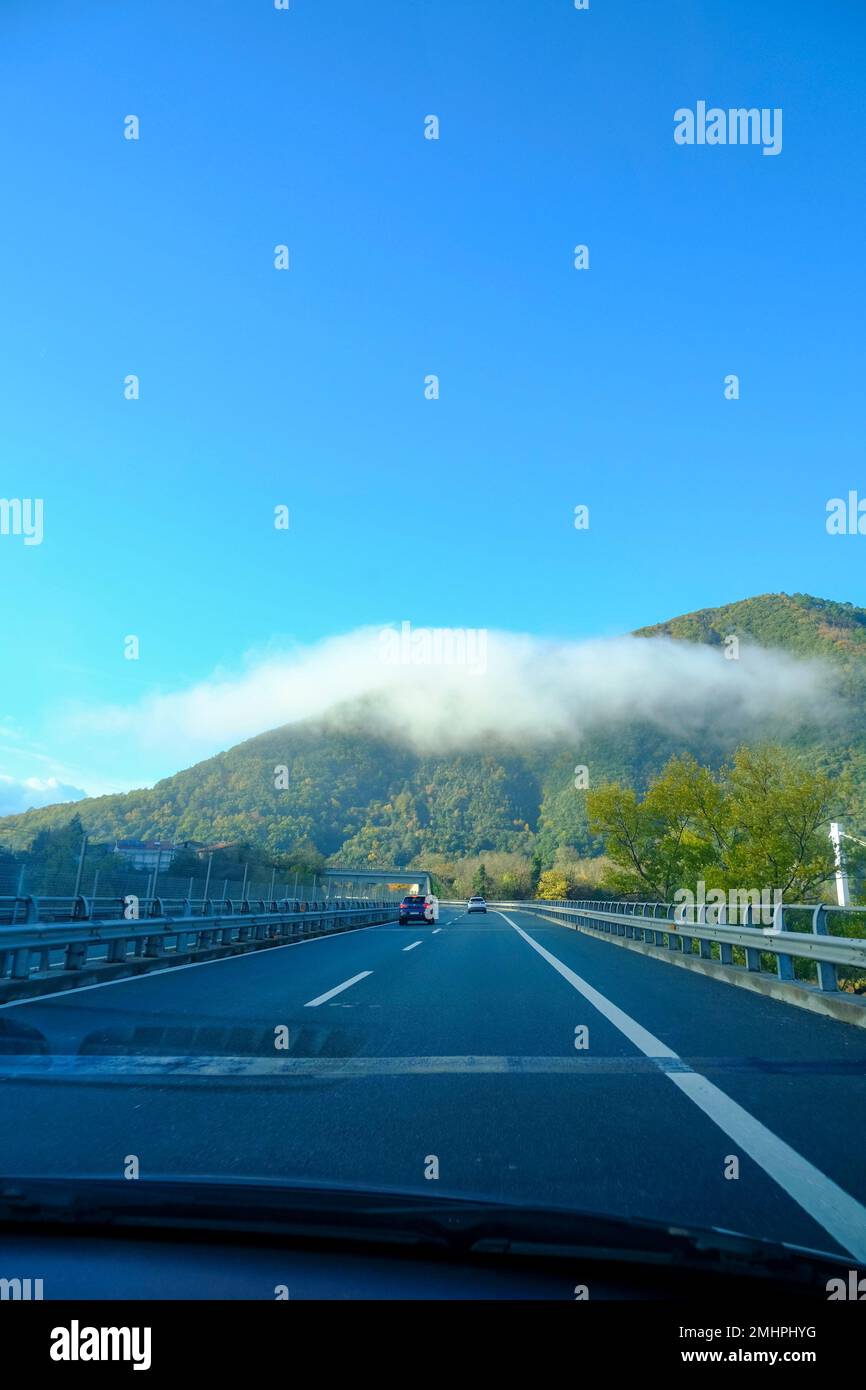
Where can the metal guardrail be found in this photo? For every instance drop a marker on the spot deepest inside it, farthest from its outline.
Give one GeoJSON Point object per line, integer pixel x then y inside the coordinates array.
{"type": "Point", "coordinates": [66, 908]}
{"type": "Point", "coordinates": [31, 943]}
{"type": "Point", "coordinates": [668, 925]}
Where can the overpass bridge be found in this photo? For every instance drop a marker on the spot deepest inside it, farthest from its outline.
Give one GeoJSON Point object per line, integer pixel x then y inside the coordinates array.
{"type": "Point", "coordinates": [546, 1052]}
{"type": "Point", "coordinates": [349, 881]}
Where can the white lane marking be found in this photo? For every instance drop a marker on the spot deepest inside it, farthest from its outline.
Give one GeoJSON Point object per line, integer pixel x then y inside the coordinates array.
{"type": "Point", "coordinates": [435, 930]}
{"type": "Point", "coordinates": [338, 989]}
{"type": "Point", "coordinates": [412, 946]}
{"type": "Point", "coordinates": [828, 1204]}
{"type": "Point", "coordinates": [190, 965]}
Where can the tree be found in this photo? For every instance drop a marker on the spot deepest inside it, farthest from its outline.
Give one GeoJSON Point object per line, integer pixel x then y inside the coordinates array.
{"type": "Point", "coordinates": [481, 882]}
{"type": "Point", "coordinates": [653, 844]}
{"type": "Point", "coordinates": [56, 852]}
{"type": "Point", "coordinates": [552, 884]}
{"type": "Point", "coordinates": [783, 810]}
{"type": "Point", "coordinates": [760, 822]}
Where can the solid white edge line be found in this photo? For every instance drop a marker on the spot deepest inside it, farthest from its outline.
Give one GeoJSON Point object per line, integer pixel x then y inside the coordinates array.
{"type": "Point", "coordinates": [841, 1215]}
{"type": "Point", "coordinates": [338, 989]}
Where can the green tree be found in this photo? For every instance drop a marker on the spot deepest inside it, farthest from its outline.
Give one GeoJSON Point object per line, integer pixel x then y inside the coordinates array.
{"type": "Point", "coordinates": [56, 851]}
{"type": "Point", "coordinates": [481, 882]}
{"type": "Point", "coordinates": [760, 822]}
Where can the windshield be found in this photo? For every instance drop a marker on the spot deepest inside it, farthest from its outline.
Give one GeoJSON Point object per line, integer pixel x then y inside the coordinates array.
{"type": "Point", "coordinates": [524, 864]}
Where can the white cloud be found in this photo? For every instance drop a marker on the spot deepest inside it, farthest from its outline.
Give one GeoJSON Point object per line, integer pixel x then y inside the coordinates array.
{"type": "Point", "coordinates": [526, 689]}
{"type": "Point", "coordinates": [22, 794]}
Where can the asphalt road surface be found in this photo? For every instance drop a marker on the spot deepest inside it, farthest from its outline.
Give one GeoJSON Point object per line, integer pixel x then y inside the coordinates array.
{"type": "Point", "coordinates": [450, 1048]}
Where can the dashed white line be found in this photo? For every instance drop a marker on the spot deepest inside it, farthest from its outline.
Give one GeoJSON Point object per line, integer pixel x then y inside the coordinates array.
{"type": "Point", "coordinates": [338, 989]}
{"type": "Point", "coordinates": [412, 946]}
{"type": "Point", "coordinates": [435, 930]}
{"type": "Point", "coordinates": [828, 1204]}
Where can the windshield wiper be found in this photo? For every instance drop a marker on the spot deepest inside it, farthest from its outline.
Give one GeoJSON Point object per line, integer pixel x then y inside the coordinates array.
{"type": "Point", "coordinates": [450, 1225]}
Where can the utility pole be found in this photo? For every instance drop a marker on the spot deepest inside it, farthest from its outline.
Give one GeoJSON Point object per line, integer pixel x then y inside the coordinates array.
{"type": "Point", "coordinates": [843, 896]}
{"type": "Point", "coordinates": [81, 855]}
{"type": "Point", "coordinates": [207, 880]}
{"type": "Point", "coordinates": [156, 870]}
{"type": "Point", "coordinates": [271, 892]}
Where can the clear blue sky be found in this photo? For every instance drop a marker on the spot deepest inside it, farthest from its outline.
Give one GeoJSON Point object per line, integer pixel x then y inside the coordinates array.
{"type": "Point", "coordinates": [411, 257]}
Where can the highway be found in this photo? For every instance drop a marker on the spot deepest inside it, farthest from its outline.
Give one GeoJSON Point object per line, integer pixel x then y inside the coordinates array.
{"type": "Point", "coordinates": [456, 1042]}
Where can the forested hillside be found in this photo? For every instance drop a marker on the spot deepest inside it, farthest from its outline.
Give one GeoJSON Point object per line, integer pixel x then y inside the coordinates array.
{"type": "Point", "coordinates": [362, 798]}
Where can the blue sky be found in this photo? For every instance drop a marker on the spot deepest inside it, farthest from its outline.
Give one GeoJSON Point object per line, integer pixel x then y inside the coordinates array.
{"type": "Point", "coordinates": [409, 257]}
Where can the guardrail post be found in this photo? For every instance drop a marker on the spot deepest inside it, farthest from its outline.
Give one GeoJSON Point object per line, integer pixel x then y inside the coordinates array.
{"type": "Point", "coordinates": [827, 980]}
{"type": "Point", "coordinates": [117, 950]}
{"type": "Point", "coordinates": [753, 953]}
{"type": "Point", "coordinates": [21, 963]}
{"type": "Point", "coordinates": [705, 947]}
{"type": "Point", "coordinates": [75, 955]}
{"type": "Point", "coordinates": [726, 950]}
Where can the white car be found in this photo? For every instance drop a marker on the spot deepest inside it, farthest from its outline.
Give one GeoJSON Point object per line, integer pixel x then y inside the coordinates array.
{"type": "Point", "coordinates": [431, 908]}
{"type": "Point", "coordinates": [476, 905]}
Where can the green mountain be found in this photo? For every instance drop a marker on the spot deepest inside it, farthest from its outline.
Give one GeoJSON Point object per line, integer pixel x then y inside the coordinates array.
{"type": "Point", "coordinates": [798, 623]}
{"type": "Point", "coordinates": [360, 797]}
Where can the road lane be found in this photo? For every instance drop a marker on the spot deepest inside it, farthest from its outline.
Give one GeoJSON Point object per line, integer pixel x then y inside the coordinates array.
{"type": "Point", "coordinates": [803, 1075]}
{"type": "Point", "coordinates": [252, 988]}
{"type": "Point", "coordinates": [840, 1215]}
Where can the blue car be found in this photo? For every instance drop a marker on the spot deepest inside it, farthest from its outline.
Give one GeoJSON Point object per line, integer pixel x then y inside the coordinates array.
{"type": "Point", "coordinates": [413, 909]}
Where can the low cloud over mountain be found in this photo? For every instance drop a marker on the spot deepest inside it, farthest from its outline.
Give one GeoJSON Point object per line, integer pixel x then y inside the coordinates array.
{"type": "Point", "coordinates": [453, 690]}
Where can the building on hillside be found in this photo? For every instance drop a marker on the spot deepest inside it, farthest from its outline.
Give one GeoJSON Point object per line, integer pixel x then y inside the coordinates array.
{"type": "Point", "coordinates": [153, 854]}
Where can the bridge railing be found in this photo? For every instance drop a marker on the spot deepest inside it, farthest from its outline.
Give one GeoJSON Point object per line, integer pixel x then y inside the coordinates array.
{"type": "Point", "coordinates": [812, 932]}
{"type": "Point", "coordinates": [66, 907]}
{"type": "Point", "coordinates": [36, 942]}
